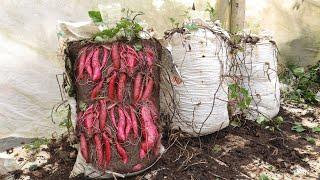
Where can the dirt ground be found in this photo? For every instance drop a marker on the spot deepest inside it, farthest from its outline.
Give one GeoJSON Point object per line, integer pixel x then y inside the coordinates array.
{"type": "Point", "coordinates": [246, 152]}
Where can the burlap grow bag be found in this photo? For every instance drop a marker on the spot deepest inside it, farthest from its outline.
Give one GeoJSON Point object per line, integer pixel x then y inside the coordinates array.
{"type": "Point", "coordinates": [200, 90]}
{"type": "Point", "coordinates": [118, 130]}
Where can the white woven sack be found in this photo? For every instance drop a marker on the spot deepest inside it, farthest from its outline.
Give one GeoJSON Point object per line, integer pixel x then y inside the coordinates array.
{"type": "Point", "coordinates": [261, 79]}
{"type": "Point", "coordinates": [201, 97]}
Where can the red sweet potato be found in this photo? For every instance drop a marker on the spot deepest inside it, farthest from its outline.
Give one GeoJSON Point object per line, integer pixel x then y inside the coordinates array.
{"type": "Point", "coordinates": [134, 122]}
{"type": "Point", "coordinates": [96, 65]}
{"type": "Point", "coordinates": [121, 126]}
{"type": "Point", "coordinates": [122, 152]}
{"type": "Point", "coordinates": [88, 122]}
{"type": "Point", "coordinates": [99, 151]}
{"type": "Point", "coordinates": [111, 87]}
{"type": "Point", "coordinates": [81, 62]}
{"type": "Point", "coordinates": [113, 118]}
{"type": "Point", "coordinates": [84, 148]}
{"type": "Point", "coordinates": [128, 123]}
{"type": "Point", "coordinates": [137, 167]}
{"type": "Point", "coordinates": [115, 56]}
{"type": "Point", "coordinates": [104, 58]}
{"type": "Point", "coordinates": [150, 131]}
{"type": "Point", "coordinates": [148, 89]}
{"type": "Point", "coordinates": [96, 90]}
{"type": "Point", "coordinates": [121, 86]}
{"type": "Point", "coordinates": [103, 113]}
{"type": "Point", "coordinates": [137, 85]}
{"type": "Point", "coordinates": [87, 64]}
{"type": "Point", "coordinates": [107, 149]}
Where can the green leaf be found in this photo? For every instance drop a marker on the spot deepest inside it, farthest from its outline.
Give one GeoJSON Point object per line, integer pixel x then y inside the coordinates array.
{"type": "Point", "coordinates": [298, 127]}
{"type": "Point", "coordinates": [216, 148]}
{"type": "Point", "coordinates": [263, 177]}
{"type": "Point", "coordinates": [311, 140]}
{"type": "Point", "coordinates": [278, 120]}
{"type": "Point", "coordinates": [299, 71]}
{"type": "Point", "coordinates": [191, 26]}
{"type": "Point", "coordinates": [82, 106]}
{"type": "Point", "coordinates": [95, 16]}
{"type": "Point", "coordinates": [235, 123]}
{"type": "Point", "coordinates": [137, 46]}
{"type": "Point", "coordinates": [261, 120]}
{"type": "Point", "coordinates": [316, 129]}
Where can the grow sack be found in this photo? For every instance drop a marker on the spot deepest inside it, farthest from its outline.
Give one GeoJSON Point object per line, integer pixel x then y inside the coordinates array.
{"type": "Point", "coordinates": [200, 93]}
{"type": "Point", "coordinates": [259, 71]}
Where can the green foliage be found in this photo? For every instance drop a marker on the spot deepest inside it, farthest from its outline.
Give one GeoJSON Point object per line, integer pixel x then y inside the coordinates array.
{"type": "Point", "coordinates": [95, 16]}
{"type": "Point", "coordinates": [297, 127]}
{"type": "Point", "coordinates": [191, 26]}
{"type": "Point", "coordinates": [210, 9]}
{"type": "Point", "coordinates": [240, 95]}
{"type": "Point", "coordinates": [216, 148]}
{"type": "Point", "coordinates": [304, 83]}
{"type": "Point", "coordinates": [83, 106]}
{"type": "Point", "coordinates": [316, 129]}
{"type": "Point", "coordinates": [127, 27]}
{"type": "Point", "coordinates": [270, 124]}
{"type": "Point", "coordinates": [36, 143]}
{"type": "Point", "coordinates": [264, 177]}
{"type": "Point", "coordinates": [311, 140]}
{"type": "Point", "coordinates": [66, 123]}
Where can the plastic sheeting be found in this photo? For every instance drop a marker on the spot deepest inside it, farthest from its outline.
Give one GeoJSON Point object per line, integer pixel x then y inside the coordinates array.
{"type": "Point", "coordinates": [201, 93]}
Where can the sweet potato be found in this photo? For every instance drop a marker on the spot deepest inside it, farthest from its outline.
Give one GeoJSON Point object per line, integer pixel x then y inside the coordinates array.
{"type": "Point", "coordinates": [96, 90]}
{"type": "Point", "coordinates": [104, 58]}
{"type": "Point", "coordinates": [113, 118]}
{"type": "Point", "coordinates": [84, 148]}
{"type": "Point", "coordinates": [150, 131]}
{"type": "Point", "coordinates": [122, 152]}
{"type": "Point", "coordinates": [99, 151]}
{"type": "Point", "coordinates": [96, 65]}
{"type": "Point", "coordinates": [121, 126]}
{"type": "Point", "coordinates": [121, 86]}
{"type": "Point", "coordinates": [111, 87]}
{"type": "Point", "coordinates": [81, 62]}
{"type": "Point", "coordinates": [115, 56]}
{"type": "Point", "coordinates": [134, 122]}
{"type": "Point", "coordinates": [148, 89]}
{"type": "Point", "coordinates": [128, 123]}
{"type": "Point", "coordinates": [88, 122]}
{"type": "Point", "coordinates": [137, 167]}
{"type": "Point", "coordinates": [137, 85]}
{"type": "Point", "coordinates": [87, 64]}
{"type": "Point", "coordinates": [107, 149]}
{"type": "Point", "coordinates": [103, 113]}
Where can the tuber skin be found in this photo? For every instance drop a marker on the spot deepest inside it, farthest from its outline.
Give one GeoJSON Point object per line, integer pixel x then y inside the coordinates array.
{"type": "Point", "coordinates": [99, 151]}
{"type": "Point", "coordinates": [96, 90]}
{"type": "Point", "coordinates": [137, 86]}
{"type": "Point", "coordinates": [134, 123]}
{"type": "Point", "coordinates": [148, 89]}
{"type": "Point", "coordinates": [149, 131]}
{"type": "Point", "coordinates": [111, 87]}
{"type": "Point", "coordinates": [103, 113]}
{"type": "Point", "coordinates": [113, 118]}
{"type": "Point", "coordinates": [104, 58]}
{"type": "Point", "coordinates": [107, 148]}
{"type": "Point", "coordinates": [82, 61]}
{"type": "Point", "coordinates": [87, 64]}
{"type": "Point", "coordinates": [121, 126]}
{"type": "Point", "coordinates": [84, 148]}
{"type": "Point", "coordinates": [122, 152]}
{"type": "Point", "coordinates": [128, 123]}
{"type": "Point", "coordinates": [121, 86]}
{"type": "Point", "coordinates": [96, 65]}
{"type": "Point", "coordinates": [115, 56]}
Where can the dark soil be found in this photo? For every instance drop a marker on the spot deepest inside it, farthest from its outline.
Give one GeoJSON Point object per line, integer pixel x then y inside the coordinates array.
{"type": "Point", "coordinates": [196, 158]}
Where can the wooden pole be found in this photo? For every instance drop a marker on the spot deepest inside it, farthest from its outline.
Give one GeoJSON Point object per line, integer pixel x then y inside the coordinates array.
{"type": "Point", "coordinates": [223, 13]}
{"type": "Point", "coordinates": [237, 17]}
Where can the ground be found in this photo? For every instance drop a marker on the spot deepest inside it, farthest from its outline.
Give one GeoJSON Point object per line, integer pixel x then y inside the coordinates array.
{"type": "Point", "coordinates": [250, 151]}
